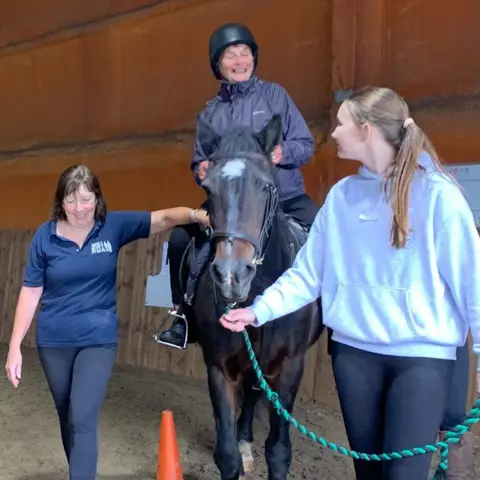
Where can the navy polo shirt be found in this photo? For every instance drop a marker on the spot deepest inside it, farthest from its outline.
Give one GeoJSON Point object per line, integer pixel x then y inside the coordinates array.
{"type": "Point", "coordinates": [78, 306]}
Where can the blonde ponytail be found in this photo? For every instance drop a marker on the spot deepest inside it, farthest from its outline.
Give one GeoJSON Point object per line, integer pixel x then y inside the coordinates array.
{"type": "Point", "coordinates": [400, 178]}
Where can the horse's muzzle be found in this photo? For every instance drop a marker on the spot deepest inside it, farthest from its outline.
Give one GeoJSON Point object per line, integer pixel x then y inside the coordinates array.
{"type": "Point", "coordinates": [232, 278]}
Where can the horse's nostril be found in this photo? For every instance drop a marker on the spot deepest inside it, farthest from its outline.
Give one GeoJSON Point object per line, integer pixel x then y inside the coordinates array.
{"type": "Point", "coordinates": [217, 274]}
{"type": "Point", "coordinates": [246, 273]}
{"type": "Point", "coordinates": [251, 268]}
{"type": "Point", "coordinates": [227, 274]}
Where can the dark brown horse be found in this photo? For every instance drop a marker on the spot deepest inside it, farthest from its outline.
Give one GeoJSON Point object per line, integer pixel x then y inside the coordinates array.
{"type": "Point", "coordinates": [252, 244]}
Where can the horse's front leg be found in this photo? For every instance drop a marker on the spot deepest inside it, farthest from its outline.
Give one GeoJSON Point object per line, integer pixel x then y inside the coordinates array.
{"type": "Point", "coordinates": [223, 396]}
{"type": "Point", "coordinates": [245, 421]}
{"type": "Point", "coordinates": [278, 447]}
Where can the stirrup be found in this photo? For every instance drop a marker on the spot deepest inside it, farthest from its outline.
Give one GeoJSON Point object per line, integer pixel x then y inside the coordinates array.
{"type": "Point", "coordinates": [256, 385]}
{"type": "Point", "coordinates": [182, 317]}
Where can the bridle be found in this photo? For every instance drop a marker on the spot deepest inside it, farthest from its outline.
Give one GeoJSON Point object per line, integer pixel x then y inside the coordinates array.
{"type": "Point", "coordinates": [260, 243]}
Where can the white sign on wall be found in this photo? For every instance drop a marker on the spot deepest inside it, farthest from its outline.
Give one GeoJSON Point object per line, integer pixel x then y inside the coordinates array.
{"type": "Point", "coordinates": [158, 292]}
{"type": "Point", "coordinates": [468, 176]}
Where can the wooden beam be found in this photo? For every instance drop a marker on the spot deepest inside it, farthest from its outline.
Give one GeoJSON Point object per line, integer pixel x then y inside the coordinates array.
{"type": "Point", "coordinates": [344, 25]}
{"type": "Point", "coordinates": [371, 39]}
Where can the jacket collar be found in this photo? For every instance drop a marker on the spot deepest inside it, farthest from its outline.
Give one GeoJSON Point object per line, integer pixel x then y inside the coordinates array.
{"type": "Point", "coordinates": [230, 90]}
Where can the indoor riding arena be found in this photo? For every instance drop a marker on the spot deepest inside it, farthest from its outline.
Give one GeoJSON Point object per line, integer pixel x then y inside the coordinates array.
{"type": "Point", "coordinates": [118, 85]}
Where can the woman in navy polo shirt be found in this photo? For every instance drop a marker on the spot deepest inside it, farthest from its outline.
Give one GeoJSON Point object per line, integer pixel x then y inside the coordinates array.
{"type": "Point", "coordinates": [71, 272]}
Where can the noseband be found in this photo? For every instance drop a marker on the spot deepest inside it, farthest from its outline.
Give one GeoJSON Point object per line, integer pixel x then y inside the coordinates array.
{"type": "Point", "coordinates": [260, 243]}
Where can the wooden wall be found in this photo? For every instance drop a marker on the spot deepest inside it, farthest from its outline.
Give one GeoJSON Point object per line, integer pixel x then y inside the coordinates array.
{"type": "Point", "coordinates": [117, 85]}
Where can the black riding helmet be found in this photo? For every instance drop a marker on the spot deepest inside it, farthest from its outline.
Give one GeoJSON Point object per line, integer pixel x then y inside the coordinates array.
{"type": "Point", "coordinates": [226, 35]}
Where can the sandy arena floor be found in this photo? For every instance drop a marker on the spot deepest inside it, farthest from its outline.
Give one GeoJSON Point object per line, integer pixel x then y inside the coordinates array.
{"type": "Point", "coordinates": [31, 449]}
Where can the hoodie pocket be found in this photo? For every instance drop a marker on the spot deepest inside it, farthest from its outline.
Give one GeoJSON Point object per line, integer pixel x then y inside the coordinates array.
{"type": "Point", "coordinates": [372, 314]}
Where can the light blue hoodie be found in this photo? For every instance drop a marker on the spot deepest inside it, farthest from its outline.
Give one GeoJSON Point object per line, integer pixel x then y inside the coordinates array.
{"type": "Point", "coordinates": [416, 301]}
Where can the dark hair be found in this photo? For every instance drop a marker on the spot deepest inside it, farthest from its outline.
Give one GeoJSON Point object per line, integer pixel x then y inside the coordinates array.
{"type": "Point", "coordinates": [69, 182]}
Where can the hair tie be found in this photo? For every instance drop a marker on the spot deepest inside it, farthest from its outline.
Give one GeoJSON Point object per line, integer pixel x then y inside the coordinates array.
{"type": "Point", "coordinates": [408, 121]}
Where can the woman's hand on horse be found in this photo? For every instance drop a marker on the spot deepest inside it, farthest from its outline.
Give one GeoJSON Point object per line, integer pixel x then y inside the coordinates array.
{"type": "Point", "coordinates": [13, 367]}
{"type": "Point", "coordinates": [236, 320]}
{"type": "Point", "coordinates": [202, 170]}
{"type": "Point", "coordinates": [201, 216]}
{"type": "Point", "coordinates": [277, 155]}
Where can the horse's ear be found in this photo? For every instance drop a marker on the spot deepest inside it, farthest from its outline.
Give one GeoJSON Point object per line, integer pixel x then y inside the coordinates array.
{"type": "Point", "coordinates": [207, 137]}
{"type": "Point", "coordinates": [271, 135]}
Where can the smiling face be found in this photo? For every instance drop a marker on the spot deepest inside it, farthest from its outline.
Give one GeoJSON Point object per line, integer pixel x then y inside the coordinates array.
{"type": "Point", "coordinates": [78, 198]}
{"type": "Point", "coordinates": [237, 63]}
{"type": "Point", "coordinates": [79, 207]}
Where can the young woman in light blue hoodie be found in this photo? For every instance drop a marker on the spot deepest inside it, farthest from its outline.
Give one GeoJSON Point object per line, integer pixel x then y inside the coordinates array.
{"type": "Point", "coordinates": [394, 254]}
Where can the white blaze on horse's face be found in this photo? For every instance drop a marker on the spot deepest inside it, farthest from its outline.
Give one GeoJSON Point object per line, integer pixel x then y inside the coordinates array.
{"type": "Point", "coordinates": [233, 169]}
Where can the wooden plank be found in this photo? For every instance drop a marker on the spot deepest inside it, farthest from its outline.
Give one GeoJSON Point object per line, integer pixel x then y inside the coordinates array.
{"type": "Point", "coordinates": [151, 349]}
{"type": "Point", "coordinates": [307, 386]}
{"type": "Point", "coordinates": [344, 37]}
{"type": "Point", "coordinates": [371, 41]}
{"type": "Point", "coordinates": [125, 282]}
{"type": "Point", "coordinates": [325, 391]}
{"type": "Point", "coordinates": [4, 310]}
{"type": "Point", "coordinates": [10, 288]}
{"type": "Point", "coordinates": [136, 321]}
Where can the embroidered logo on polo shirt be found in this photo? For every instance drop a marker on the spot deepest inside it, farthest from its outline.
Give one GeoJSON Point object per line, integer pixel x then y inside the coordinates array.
{"type": "Point", "coordinates": [101, 247]}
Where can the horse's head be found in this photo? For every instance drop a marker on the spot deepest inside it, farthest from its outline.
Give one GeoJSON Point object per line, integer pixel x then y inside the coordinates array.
{"type": "Point", "coordinates": [242, 201]}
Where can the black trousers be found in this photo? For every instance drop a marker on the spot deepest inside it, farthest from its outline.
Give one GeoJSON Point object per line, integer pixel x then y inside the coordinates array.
{"type": "Point", "coordinates": [300, 207]}
{"type": "Point", "coordinates": [455, 411]}
{"type": "Point", "coordinates": [78, 379]}
{"type": "Point", "coordinates": [389, 404]}
{"type": "Point", "coordinates": [177, 244]}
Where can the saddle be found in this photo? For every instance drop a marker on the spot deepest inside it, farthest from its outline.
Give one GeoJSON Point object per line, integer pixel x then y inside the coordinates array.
{"type": "Point", "coordinates": [299, 232]}
{"type": "Point", "coordinates": [194, 260]}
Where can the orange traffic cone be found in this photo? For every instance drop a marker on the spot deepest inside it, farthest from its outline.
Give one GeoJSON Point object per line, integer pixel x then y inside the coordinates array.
{"type": "Point", "coordinates": [169, 466]}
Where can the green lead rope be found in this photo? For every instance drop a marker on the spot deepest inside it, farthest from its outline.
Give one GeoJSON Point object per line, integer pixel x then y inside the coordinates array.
{"type": "Point", "coordinates": [452, 436]}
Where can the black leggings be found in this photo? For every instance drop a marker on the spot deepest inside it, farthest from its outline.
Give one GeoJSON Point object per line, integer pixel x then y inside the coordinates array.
{"type": "Point", "coordinates": [300, 207]}
{"type": "Point", "coordinates": [177, 244]}
{"type": "Point", "coordinates": [388, 404]}
{"type": "Point", "coordinates": [78, 379]}
{"type": "Point", "coordinates": [457, 398]}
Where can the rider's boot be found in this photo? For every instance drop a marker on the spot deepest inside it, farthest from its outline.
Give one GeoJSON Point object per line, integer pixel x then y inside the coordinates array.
{"type": "Point", "coordinates": [177, 335]}
{"type": "Point", "coordinates": [460, 458]}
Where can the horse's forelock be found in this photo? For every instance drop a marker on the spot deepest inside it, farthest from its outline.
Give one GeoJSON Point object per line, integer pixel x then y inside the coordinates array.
{"type": "Point", "coordinates": [239, 139]}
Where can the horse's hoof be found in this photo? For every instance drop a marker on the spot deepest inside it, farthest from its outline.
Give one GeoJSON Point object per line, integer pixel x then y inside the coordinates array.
{"type": "Point", "coordinates": [247, 457]}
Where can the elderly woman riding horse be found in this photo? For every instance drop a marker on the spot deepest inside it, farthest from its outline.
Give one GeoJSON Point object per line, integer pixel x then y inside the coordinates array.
{"type": "Point", "coordinates": [243, 99]}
